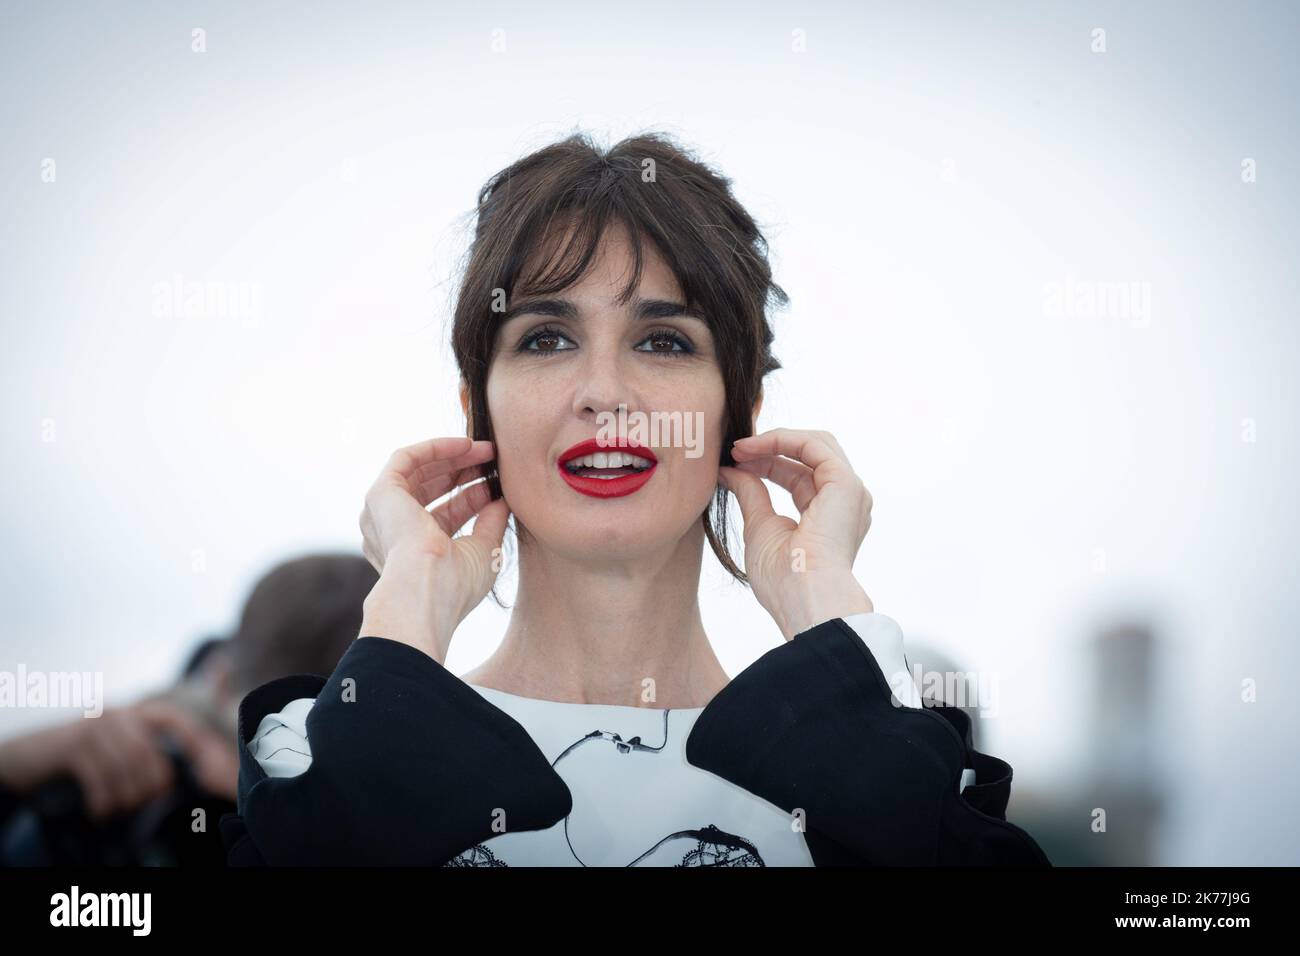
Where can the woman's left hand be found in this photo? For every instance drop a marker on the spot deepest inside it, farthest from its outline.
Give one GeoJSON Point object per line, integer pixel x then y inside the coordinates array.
{"type": "Point", "coordinates": [801, 572]}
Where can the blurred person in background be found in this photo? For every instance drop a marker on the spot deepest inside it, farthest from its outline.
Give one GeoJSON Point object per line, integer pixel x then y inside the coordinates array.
{"type": "Point", "coordinates": [146, 783]}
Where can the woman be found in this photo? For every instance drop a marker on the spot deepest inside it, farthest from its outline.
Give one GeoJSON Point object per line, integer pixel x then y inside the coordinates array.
{"type": "Point", "coordinates": [607, 293]}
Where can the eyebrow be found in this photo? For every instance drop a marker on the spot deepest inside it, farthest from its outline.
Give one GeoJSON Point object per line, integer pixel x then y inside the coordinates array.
{"type": "Point", "coordinates": [645, 310]}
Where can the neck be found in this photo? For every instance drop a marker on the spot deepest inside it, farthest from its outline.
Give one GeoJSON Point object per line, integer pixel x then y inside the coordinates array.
{"type": "Point", "coordinates": [607, 632]}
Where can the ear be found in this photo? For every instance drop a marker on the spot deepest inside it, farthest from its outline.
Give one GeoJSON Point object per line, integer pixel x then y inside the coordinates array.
{"type": "Point", "coordinates": [758, 405]}
{"type": "Point", "coordinates": [464, 406]}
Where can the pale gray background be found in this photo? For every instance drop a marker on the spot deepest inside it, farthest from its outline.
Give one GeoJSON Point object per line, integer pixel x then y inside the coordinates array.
{"type": "Point", "coordinates": [925, 171]}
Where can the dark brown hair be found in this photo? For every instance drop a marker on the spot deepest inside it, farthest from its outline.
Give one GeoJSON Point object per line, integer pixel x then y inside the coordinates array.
{"type": "Point", "coordinates": [661, 194]}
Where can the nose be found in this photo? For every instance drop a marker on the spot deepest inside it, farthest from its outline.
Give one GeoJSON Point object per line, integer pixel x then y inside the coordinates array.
{"type": "Point", "coordinates": [602, 386]}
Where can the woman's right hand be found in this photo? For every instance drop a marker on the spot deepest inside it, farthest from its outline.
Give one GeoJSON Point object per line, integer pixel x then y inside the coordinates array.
{"type": "Point", "coordinates": [430, 579]}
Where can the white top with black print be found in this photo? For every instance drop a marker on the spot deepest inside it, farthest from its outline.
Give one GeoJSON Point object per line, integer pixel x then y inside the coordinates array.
{"type": "Point", "coordinates": [636, 799]}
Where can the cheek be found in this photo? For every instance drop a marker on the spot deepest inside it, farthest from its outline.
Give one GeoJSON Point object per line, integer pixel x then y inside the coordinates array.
{"type": "Point", "coordinates": [507, 402]}
{"type": "Point", "coordinates": [700, 474]}
{"type": "Point", "coordinates": [521, 442]}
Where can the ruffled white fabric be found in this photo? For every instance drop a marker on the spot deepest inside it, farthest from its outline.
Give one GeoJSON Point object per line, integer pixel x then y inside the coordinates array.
{"type": "Point", "coordinates": [280, 744]}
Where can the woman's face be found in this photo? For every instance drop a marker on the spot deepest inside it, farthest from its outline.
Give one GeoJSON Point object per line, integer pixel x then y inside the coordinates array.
{"type": "Point", "coordinates": [547, 390]}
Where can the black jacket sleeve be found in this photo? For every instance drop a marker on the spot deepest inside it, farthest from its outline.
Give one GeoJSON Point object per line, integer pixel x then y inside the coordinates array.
{"type": "Point", "coordinates": [410, 766]}
{"type": "Point", "coordinates": [812, 726]}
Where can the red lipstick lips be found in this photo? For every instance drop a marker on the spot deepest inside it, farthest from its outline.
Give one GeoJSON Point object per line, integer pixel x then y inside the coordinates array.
{"type": "Point", "coordinates": [607, 487]}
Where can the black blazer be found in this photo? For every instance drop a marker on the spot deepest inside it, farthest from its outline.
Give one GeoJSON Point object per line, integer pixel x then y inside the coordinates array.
{"type": "Point", "coordinates": [410, 769]}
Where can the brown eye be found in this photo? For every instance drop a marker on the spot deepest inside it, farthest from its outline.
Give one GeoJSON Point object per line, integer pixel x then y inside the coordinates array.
{"type": "Point", "coordinates": [667, 342]}
{"type": "Point", "coordinates": [549, 338]}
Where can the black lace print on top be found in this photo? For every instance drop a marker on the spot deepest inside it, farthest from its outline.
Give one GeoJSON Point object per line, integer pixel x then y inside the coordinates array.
{"type": "Point", "coordinates": [713, 846]}
{"type": "Point", "coordinates": [477, 855]}
{"type": "Point", "coordinates": [716, 847]}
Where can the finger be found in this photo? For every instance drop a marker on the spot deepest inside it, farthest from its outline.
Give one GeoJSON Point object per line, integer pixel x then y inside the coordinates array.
{"type": "Point", "coordinates": [490, 528]}
{"type": "Point", "coordinates": [159, 774]}
{"type": "Point", "coordinates": [809, 447]}
{"type": "Point", "coordinates": [453, 513]}
{"type": "Point", "coordinates": [835, 445]}
{"type": "Point", "coordinates": [94, 787]}
{"type": "Point", "coordinates": [109, 756]}
{"type": "Point", "coordinates": [162, 717]}
{"type": "Point", "coordinates": [436, 487]}
{"type": "Point", "coordinates": [427, 471]}
{"type": "Point", "coordinates": [390, 503]}
{"type": "Point", "coordinates": [156, 766]}
{"type": "Point", "coordinates": [203, 750]}
{"type": "Point", "coordinates": [795, 477]}
{"type": "Point", "coordinates": [406, 461]}
{"type": "Point", "coordinates": [750, 492]}
{"type": "Point", "coordinates": [145, 761]}
{"type": "Point", "coordinates": [481, 451]}
{"type": "Point", "coordinates": [218, 768]}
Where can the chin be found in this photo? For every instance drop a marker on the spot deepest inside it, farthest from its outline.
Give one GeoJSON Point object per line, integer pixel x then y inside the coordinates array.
{"type": "Point", "coordinates": [590, 534]}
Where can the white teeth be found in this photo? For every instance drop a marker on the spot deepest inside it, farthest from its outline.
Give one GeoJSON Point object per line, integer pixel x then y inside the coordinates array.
{"type": "Point", "coordinates": [613, 459]}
